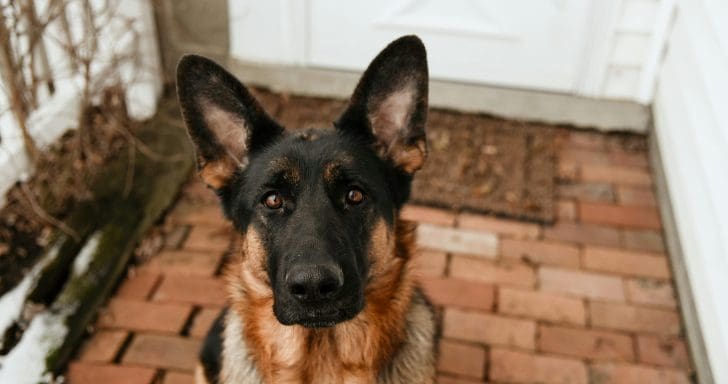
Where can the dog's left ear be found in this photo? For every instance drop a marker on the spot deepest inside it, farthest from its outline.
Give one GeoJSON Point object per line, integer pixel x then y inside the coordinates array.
{"type": "Point", "coordinates": [224, 121]}
{"type": "Point", "coordinates": [389, 105]}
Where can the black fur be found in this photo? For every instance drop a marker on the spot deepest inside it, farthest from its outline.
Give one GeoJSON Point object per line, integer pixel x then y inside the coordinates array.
{"type": "Point", "coordinates": [211, 352]}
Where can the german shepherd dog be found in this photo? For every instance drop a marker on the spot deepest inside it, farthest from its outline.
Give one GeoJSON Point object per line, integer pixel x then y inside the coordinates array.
{"type": "Point", "coordinates": [322, 290]}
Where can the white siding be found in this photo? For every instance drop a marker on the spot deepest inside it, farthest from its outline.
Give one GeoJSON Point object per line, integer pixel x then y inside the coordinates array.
{"type": "Point", "coordinates": [691, 128]}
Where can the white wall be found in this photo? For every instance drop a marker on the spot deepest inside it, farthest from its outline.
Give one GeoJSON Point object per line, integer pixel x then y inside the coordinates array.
{"type": "Point", "coordinates": [691, 128]}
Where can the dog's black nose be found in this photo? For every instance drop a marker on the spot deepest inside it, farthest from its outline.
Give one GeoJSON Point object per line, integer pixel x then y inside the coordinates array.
{"type": "Point", "coordinates": [309, 283]}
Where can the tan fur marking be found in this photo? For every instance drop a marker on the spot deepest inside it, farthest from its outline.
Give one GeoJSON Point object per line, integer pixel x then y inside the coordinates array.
{"type": "Point", "coordinates": [216, 174]}
{"type": "Point", "coordinates": [410, 158]}
{"type": "Point", "coordinates": [249, 276]}
{"type": "Point", "coordinates": [289, 168]}
{"type": "Point", "coordinates": [331, 170]}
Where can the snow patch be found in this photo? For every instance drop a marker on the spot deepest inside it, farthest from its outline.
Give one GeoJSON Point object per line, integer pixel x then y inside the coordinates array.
{"type": "Point", "coordinates": [25, 364]}
{"type": "Point", "coordinates": [85, 256]}
{"type": "Point", "coordinates": [12, 303]}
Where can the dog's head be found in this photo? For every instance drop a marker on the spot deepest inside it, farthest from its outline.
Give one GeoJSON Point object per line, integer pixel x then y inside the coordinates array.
{"type": "Point", "coordinates": [317, 207]}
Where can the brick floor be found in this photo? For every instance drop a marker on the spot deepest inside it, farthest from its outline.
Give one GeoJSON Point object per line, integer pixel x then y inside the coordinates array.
{"type": "Point", "coordinates": [588, 299]}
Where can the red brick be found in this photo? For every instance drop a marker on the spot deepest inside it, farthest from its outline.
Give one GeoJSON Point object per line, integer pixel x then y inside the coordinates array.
{"type": "Point", "coordinates": [459, 293]}
{"type": "Point", "coordinates": [520, 367]}
{"type": "Point", "coordinates": [203, 321]}
{"type": "Point", "coordinates": [89, 373]}
{"type": "Point", "coordinates": [190, 263]}
{"type": "Point", "coordinates": [665, 351]}
{"type": "Point", "coordinates": [429, 215]}
{"type": "Point", "coordinates": [567, 171]}
{"type": "Point", "coordinates": [542, 306]}
{"type": "Point", "coordinates": [580, 283]}
{"type": "Point", "coordinates": [628, 195]}
{"type": "Point", "coordinates": [145, 316]}
{"type": "Point", "coordinates": [176, 237]}
{"type": "Point", "coordinates": [206, 215]}
{"type": "Point", "coordinates": [541, 252]}
{"type": "Point", "coordinates": [138, 285]}
{"type": "Point", "coordinates": [169, 352]}
{"type": "Point", "coordinates": [103, 346]}
{"type": "Point", "coordinates": [634, 319]}
{"type": "Point", "coordinates": [489, 329]}
{"type": "Point", "coordinates": [620, 215]}
{"type": "Point", "coordinates": [178, 378]}
{"type": "Point", "coordinates": [446, 239]}
{"type": "Point", "coordinates": [583, 234]}
{"type": "Point", "coordinates": [629, 159]}
{"type": "Point", "coordinates": [430, 263]}
{"type": "Point", "coordinates": [651, 292]}
{"type": "Point", "coordinates": [517, 229]}
{"type": "Point", "coordinates": [613, 373]}
{"type": "Point", "coordinates": [566, 210]}
{"type": "Point", "coordinates": [198, 291]}
{"type": "Point", "coordinates": [626, 143]}
{"type": "Point", "coordinates": [583, 156]}
{"type": "Point", "coordinates": [616, 174]}
{"type": "Point", "coordinates": [208, 238]}
{"type": "Point", "coordinates": [456, 380]}
{"type": "Point", "coordinates": [197, 194]}
{"type": "Point", "coordinates": [629, 263]}
{"type": "Point", "coordinates": [586, 139]}
{"type": "Point", "coordinates": [506, 273]}
{"type": "Point", "coordinates": [585, 343]}
{"type": "Point", "coordinates": [461, 359]}
{"type": "Point", "coordinates": [603, 192]}
{"type": "Point", "coordinates": [643, 240]}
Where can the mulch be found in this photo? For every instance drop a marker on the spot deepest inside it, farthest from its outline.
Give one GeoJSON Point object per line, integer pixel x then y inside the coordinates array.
{"type": "Point", "coordinates": [476, 162]}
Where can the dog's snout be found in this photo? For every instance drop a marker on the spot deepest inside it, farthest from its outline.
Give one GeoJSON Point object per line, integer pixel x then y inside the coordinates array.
{"type": "Point", "coordinates": [310, 283]}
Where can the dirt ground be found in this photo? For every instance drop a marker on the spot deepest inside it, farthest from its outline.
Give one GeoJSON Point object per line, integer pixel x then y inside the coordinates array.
{"type": "Point", "coordinates": [34, 209]}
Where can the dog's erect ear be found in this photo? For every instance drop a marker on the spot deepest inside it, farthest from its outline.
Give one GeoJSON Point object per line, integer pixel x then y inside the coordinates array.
{"type": "Point", "coordinates": [389, 104]}
{"type": "Point", "coordinates": [224, 120]}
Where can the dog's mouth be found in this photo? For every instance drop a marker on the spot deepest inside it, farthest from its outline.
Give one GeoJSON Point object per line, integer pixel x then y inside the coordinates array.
{"type": "Point", "coordinates": [318, 323]}
{"type": "Point", "coordinates": [324, 316]}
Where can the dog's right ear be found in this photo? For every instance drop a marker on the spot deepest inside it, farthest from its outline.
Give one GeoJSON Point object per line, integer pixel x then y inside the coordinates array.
{"type": "Point", "coordinates": [223, 119]}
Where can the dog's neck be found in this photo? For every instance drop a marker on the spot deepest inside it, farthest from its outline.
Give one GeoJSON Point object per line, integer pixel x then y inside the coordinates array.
{"type": "Point", "coordinates": [365, 349]}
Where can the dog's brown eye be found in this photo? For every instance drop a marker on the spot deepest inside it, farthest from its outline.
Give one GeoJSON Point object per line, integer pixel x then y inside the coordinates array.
{"type": "Point", "coordinates": [354, 196]}
{"type": "Point", "coordinates": [273, 200]}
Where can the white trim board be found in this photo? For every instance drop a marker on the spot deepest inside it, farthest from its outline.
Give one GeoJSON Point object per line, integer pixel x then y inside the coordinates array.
{"type": "Point", "coordinates": [693, 329]}
{"type": "Point", "coordinates": [555, 108]}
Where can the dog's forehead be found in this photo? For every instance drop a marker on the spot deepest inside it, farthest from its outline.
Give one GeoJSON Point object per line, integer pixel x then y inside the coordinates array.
{"type": "Point", "coordinates": [311, 153]}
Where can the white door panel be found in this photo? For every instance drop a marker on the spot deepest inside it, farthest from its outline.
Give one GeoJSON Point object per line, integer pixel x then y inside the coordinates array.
{"type": "Point", "coordinates": [519, 43]}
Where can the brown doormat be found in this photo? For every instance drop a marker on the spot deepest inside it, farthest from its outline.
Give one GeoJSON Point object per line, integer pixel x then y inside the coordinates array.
{"type": "Point", "coordinates": [476, 163]}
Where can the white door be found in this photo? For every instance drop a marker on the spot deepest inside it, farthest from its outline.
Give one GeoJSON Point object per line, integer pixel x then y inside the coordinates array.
{"type": "Point", "coordinates": [517, 43]}
{"type": "Point", "coordinates": [536, 44]}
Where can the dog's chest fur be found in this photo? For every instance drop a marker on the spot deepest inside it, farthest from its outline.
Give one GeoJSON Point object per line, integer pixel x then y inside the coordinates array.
{"type": "Point", "coordinates": [297, 355]}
